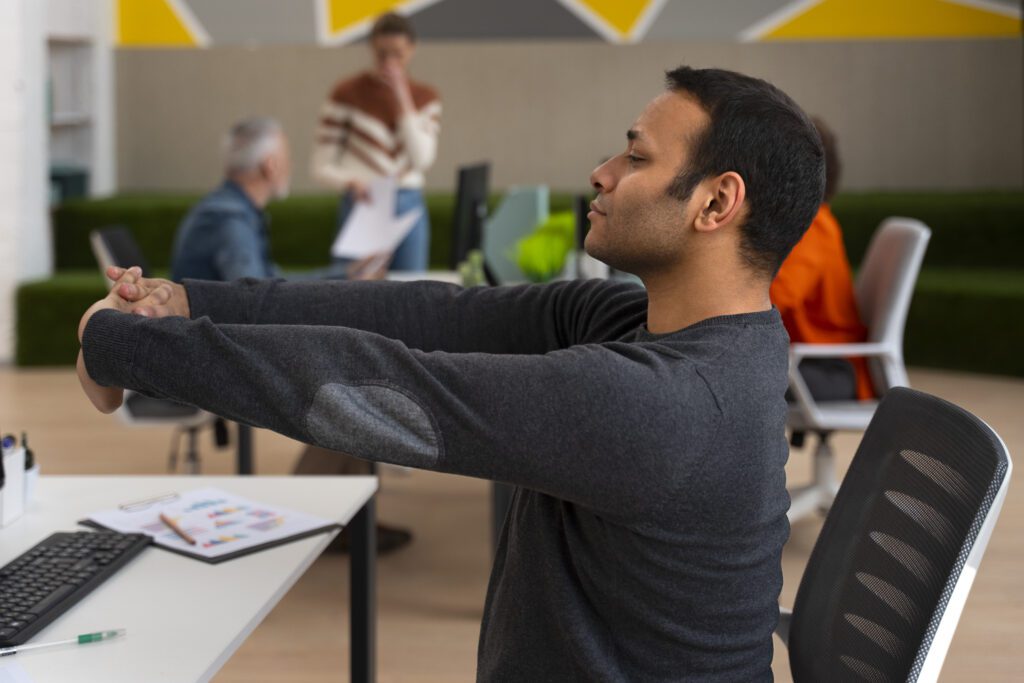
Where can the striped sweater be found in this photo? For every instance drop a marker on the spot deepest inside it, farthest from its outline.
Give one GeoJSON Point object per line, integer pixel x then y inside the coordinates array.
{"type": "Point", "coordinates": [362, 135]}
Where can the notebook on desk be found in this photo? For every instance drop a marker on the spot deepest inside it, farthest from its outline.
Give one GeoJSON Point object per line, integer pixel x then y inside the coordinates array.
{"type": "Point", "coordinates": [223, 525]}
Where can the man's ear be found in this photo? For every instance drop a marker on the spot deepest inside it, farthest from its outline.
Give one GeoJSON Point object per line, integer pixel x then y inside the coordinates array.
{"type": "Point", "coordinates": [724, 197]}
{"type": "Point", "coordinates": [268, 167]}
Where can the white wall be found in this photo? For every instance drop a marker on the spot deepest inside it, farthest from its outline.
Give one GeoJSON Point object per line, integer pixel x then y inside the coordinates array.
{"type": "Point", "coordinates": [915, 114]}
{"type": "Point", "coordinates": [25, 251]}
{"type": "Point", "coordinates": [29, 29]}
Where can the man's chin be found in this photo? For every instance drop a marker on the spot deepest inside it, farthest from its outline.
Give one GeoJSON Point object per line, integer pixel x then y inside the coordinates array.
{"type": "Point", "coordinates": [613, 258]}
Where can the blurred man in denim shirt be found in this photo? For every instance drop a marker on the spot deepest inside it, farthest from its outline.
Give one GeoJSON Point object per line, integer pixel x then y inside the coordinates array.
{"type": "Point", "coordinates": [225, 236]}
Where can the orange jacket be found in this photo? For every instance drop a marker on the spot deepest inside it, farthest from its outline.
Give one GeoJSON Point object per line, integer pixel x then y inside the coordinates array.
{"type": "Point", "coordinates": [814, 293]}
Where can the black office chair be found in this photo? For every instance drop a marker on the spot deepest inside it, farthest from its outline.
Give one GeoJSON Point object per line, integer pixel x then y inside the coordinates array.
{"type": "Point", "coordinates": [115, 246]}
{"type": "Point", "coordinates": [889, 575]}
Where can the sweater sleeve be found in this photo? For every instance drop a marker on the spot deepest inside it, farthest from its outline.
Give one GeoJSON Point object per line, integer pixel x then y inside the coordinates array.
{"type": "Point", "coordinates": [419, 132]}
{"type": "Point", "coordinates": [433, 316]}
{"type": "Point", "coordinates": [520, 419]}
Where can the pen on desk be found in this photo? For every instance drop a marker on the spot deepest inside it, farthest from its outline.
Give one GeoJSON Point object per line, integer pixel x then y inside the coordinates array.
{"type": "Point", "coordinates": [177, 529]}
{"type": "Point", "coordinates": [80, 640]}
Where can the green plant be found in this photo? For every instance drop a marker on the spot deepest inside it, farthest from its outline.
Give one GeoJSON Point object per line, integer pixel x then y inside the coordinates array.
{"type": "Point", "coordinates": [541, 254]}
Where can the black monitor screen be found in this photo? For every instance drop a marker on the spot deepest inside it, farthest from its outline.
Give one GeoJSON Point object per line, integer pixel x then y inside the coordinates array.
{"type": "Point", "coordinates": [470, 211]}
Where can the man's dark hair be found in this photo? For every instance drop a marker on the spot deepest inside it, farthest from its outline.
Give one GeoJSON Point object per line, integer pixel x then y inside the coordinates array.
{"type": "Point", "coordinates": [757, 131]}
{"type": "Point", "coordinates": [833, 167]}
{"type": "Point", "coordinates": [392, 24]}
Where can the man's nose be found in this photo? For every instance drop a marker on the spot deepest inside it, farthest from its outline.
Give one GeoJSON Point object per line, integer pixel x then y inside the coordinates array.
{"type": "Point", "coordinates": [602, 178]}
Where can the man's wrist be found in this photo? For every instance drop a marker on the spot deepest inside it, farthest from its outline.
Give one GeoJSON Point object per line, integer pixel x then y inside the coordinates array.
{"type": "Point", "coordinates": [108, 346]}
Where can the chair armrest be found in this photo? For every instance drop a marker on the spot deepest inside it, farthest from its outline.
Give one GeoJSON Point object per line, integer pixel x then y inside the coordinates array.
{"type": "Point", "coordinates": [800, 351]}
{"type": "Point", "coordinates": [785, 621]}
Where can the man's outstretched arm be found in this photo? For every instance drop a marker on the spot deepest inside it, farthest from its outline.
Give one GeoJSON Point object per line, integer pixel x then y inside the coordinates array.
{"type": "Point", "coordinates": [423, 315]}
{"type": "Point", "coordinates": [565, 422]}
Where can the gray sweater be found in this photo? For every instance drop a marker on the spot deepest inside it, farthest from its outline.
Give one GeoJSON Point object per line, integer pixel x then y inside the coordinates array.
{"type": "Point", "coordinates": [644, 542]}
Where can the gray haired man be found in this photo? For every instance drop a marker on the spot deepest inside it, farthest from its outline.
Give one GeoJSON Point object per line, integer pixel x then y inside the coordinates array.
{"type": "Point", "coordinates": [225, 236]}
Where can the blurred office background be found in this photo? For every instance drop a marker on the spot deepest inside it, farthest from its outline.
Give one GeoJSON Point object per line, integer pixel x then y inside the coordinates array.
{"type": "Point", "coordinates": [120, 97]}
{"type": "Point", "coordinates": [112, 112]}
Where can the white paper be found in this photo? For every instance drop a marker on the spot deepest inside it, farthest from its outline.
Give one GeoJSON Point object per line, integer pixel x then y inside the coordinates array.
{"type": "Point", "coordinates": [12, 672]}
{"type": "Point", "coordinates": [372, 227]}
{"type": "Point", "coordinates": [220, 522]}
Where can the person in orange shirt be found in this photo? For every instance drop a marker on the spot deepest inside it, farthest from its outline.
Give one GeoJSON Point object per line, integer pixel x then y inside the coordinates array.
{"type": "Point", "coordinates": [814, 293]}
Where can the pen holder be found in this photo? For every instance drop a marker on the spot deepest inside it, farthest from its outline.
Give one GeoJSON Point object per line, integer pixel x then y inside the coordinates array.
{"type": "Point", "coordinates": [31, 477]}
{"type": "Point", "coordinates": [12, 494]}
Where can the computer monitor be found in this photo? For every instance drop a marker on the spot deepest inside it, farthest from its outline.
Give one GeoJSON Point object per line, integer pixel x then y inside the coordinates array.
{"type": "Point", "coordinates": [470, 211]}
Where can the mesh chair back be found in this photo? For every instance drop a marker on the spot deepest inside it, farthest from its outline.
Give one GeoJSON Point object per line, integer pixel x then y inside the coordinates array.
{"type": "Point", "coordinates": [115, 246]}
{"type": "Point", "coordinates": [926, 479]}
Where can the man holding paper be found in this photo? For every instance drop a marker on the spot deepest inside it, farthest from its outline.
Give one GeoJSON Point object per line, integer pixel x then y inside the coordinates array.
{"type": "Point", "coordinates": [226, 235]}
{"type": "Point", "coordinates": [376, 137]}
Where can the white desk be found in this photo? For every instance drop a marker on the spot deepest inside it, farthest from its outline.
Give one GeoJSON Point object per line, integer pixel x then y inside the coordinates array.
{"type": "Point", "coordinates": [452, 277]}
{"type": "Point", "coordinates": [185, 617]}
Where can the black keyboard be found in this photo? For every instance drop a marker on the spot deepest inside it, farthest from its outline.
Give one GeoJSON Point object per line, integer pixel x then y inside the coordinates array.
{"type": "Point", "coordinates": [52, 576]}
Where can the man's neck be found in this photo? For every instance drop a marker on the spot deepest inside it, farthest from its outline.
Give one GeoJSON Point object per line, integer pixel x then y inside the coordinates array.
{"type": "Point", "coordinates": [686, 296]}
{"type": "Point", "coordinates": [256, 190]}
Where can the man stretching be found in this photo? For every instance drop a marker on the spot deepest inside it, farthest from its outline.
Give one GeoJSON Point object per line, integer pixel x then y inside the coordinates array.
{"type": "Point", "coordinates": [644, 429]}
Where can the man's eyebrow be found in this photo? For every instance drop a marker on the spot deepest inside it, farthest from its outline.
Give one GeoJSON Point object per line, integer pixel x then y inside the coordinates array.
{"type": "Point", "coordinates": [633, 134]}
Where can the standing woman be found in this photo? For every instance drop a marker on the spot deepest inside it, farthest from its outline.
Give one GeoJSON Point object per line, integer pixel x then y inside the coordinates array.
{"type": "Point", "coordinates": [381, 123]}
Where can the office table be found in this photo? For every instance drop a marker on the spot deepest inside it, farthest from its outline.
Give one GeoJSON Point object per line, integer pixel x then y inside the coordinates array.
{"type": "Point", "coordinates": [185, 617]}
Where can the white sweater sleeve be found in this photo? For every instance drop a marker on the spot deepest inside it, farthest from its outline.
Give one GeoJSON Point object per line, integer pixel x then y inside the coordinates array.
{"type": "Point", "coordinates": [419, 132]}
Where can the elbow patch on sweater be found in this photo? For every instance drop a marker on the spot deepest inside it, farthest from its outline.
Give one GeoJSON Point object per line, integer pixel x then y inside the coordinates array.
{"type": "Point", "coordinates": [374, 422]}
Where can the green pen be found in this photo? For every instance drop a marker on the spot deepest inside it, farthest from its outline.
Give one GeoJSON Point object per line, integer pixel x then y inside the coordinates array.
{"type": "Point", "coordinates": [80, 640]}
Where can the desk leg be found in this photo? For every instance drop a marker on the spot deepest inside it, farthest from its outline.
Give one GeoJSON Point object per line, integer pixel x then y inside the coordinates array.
{"type": "Point", "coordinates": [363, 595]}
{"type": "Point", "coordinates": [244, 449]}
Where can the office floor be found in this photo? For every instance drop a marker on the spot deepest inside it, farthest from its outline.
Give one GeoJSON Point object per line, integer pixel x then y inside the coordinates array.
{"type": "Point", "coordinates": [431, 593]}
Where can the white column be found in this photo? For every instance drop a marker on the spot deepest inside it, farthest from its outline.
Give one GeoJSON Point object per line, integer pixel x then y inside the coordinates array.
{"type": "Point", "coordinates": [104, 169]}
{"type": "Point", "coordinates": [25, 245]}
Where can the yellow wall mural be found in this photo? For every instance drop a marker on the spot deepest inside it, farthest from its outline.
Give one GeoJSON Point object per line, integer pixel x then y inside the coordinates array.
{"type": "Point", "coordinates": [197, 23]}
{"type": "Point", "coordinates": [157, 23]}
{"type": "Point", "coordinates": [341, 21]}
{"type": "Point", "coordinates": [619, 21]}
{"type": "Point", "coordinates": [873, 19]}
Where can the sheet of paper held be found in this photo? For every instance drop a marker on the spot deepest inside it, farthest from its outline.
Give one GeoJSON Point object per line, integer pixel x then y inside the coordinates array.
{"type": "Point", "coordinates": [372, 227]}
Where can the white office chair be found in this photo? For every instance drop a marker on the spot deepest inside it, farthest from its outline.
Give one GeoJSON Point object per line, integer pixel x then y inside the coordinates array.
{"type": "Point", "coordinates": [890, 572]}
{"type": "Point", "coordinates": [884, 287]}
{"type": "Point", "coordinates": [115, 246]}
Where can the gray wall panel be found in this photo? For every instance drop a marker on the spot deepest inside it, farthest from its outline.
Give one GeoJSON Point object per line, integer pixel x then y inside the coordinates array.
{"type": "Point", "coordinates": [909, 114]}
{"type": "Point", "coordinates": [243, 22]}
{"type": "Point", "coordinates": [473, 19]}
{"type": "Point", "coordinates": [694, 19]}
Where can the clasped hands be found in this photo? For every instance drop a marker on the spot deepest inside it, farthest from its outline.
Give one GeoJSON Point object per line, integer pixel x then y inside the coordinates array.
{"type": "Point", "coordinates": [131, 293]}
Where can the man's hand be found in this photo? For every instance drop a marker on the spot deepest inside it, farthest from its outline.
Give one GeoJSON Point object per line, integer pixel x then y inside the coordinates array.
{"type": "Point", "coordinates": [111, 300]}
{"type": "Point", "coordinates": [150, 297]}
{"type": "Point", "coordinates": [131, 293]}
{"type": "Point", "coordinates": [106, 399]}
